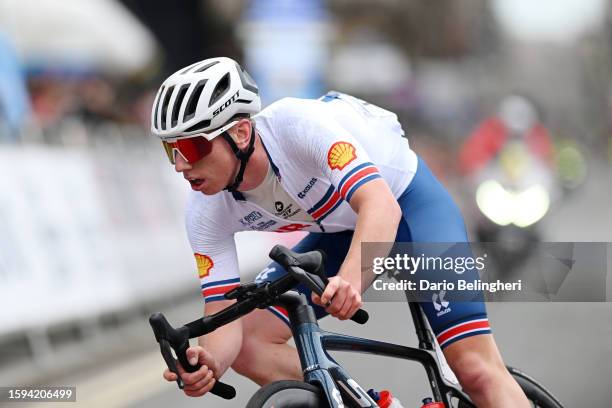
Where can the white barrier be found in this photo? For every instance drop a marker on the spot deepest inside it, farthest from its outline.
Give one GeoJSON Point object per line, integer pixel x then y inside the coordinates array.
{"type": "Point", "coordinates": [61, 255]}
{"type": "Point", "coordinates": [87, 231]}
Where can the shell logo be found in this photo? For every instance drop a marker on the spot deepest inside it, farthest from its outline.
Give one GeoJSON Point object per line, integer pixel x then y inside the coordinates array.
{"type": "Point", "coordinates": [340, 154]}
{"type": "Point", "coordinates": [205, 264]}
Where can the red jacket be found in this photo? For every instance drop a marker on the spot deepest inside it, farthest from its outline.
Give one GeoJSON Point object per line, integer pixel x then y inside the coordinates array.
{"type": "Point", "coordinates": [488, 139]}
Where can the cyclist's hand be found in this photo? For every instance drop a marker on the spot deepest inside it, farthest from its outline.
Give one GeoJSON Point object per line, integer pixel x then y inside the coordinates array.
{"type": "Point", "coordinates": [345, 299]}
{"type": "Point", "coordinates": [201, 381]}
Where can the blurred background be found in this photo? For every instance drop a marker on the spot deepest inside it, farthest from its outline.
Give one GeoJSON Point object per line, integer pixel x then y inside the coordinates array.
{"type": "Point", "coordinates": [509, 101]}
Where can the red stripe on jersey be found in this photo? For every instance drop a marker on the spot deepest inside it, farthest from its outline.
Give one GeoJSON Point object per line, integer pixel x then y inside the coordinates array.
{"type": "Point", "coordinates": [218, 290]}
{"type": "Point", "coordinates": [281, 311]}
{"type": "Point", "coordinates": [359, 175]}
{"type": "Point", "coordinates": [464, 327]}
{"type": "Point", "coordinates": [330, 203]}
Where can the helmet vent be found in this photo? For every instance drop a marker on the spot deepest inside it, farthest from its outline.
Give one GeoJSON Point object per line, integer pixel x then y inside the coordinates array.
{"type": "Point", "coordinates": [247, 81]}
{"type": "Point", "coordinates": [220, 90]}
{"type": "Point", "coordinates": [155, 116]}
{"type": "Point", "coordinates": [184, 71]}
{"type": "Point", "coordinates": [206, 66]}
{"type": "Point", "coordinates": [164, 107]}
{"type": "Point", "coordinates": [203, 124]}
{"type": "Point", "coordinates": [193, 100]}
{"type": "Point", "coordinates": [178, 102]}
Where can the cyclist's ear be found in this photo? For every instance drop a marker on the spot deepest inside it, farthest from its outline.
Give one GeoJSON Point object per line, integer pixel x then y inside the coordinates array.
{"type": "Point", "coordinates": [241, 133]}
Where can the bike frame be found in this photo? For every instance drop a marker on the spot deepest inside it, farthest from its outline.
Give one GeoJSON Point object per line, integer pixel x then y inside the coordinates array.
{"type": "Point", "coordinates": [320, 369]}
{"type": "Point", "coordinates": [313, 344]}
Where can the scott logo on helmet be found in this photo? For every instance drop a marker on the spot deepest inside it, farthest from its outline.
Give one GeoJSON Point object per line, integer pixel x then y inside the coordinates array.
{"type": "Point", "coordinates": [226, 104]}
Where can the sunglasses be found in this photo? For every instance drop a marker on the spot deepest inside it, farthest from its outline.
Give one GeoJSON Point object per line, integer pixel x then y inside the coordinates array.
{"type": "Point", "coordinates": [195, 147]}
{"type": "Point", "coordinates": [191, 149]}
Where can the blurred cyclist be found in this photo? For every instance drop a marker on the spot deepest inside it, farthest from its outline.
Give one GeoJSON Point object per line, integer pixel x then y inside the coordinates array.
{"type": "Point", "coordinates": [336, 167]}
{"type": "Point", "coordinates": [512, 151]}
{"type": "Point", "coordinates": [517, 120]}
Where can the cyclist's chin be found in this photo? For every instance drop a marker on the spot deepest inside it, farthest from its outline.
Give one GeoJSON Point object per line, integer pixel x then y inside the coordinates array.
{"type": "Point", "coordinates": [209, 188]}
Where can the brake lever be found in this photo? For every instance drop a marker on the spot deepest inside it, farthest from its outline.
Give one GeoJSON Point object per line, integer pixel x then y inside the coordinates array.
{"type": "Point", "coordinates": [317, 284]}
{"type": "Point", "coordinates": [315, 280]}
{"type": "Point", "coordinates": [178, 339]}
{"type": "Point", "coordinates": [166, 353]}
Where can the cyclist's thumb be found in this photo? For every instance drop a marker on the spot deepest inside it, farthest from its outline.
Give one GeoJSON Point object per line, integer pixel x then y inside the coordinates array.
{"type": "Point", "coordinates": [198, 354]}
{"type": "Point", "coordinates": [193, 354]}
{"type": "Point", "coordinates": [330, 291]}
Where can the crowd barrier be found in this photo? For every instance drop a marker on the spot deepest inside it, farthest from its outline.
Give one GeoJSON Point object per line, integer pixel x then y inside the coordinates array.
{"type": "Point", "coordinates": [94, 229]}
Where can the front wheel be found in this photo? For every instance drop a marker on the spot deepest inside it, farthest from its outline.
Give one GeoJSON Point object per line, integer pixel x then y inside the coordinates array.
{"type": "Point", "coordinates": [536, 393]}
{"type": "Point", "coordinates": [298, 394]}
{"type": "Point", "coordinates": [288, 394]}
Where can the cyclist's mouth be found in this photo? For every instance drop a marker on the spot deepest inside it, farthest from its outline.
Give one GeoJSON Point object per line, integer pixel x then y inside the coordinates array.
{"type": "Point", "coordinates": [196, 183]}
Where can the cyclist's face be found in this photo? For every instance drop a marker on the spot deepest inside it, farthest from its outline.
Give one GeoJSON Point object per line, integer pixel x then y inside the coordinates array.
{"type": "Point", "coordinates": [212, 173]}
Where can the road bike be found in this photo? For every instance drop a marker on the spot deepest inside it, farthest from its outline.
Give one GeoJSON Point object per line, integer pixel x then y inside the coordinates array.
{"type": "Point", "coordinates": [326, 383]}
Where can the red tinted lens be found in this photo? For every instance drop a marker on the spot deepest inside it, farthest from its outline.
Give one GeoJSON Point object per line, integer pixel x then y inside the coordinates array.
{"type": "Point", "coordinates": [194, 148]}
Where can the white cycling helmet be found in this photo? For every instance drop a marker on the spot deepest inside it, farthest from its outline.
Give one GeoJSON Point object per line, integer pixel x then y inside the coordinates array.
{"type": "Point", "coordinates": [205, 98]}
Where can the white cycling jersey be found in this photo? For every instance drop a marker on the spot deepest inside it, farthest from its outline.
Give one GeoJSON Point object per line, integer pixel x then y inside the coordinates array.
{"type": "Point", "coordinates": [321, 152]}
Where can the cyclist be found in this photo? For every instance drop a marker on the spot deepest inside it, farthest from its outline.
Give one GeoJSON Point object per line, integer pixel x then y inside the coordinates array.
{"type": "Point", "coordinates": [336, 167]}
{"type": "Point", "coordinates": [517, 120]}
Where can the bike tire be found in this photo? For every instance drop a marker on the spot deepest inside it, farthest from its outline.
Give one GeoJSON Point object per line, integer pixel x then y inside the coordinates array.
{"type": "Point", "coordinates": [539, 396]}
{"type": "Point", "coordinates": [536, 393]}
{"type": "Point", "coordinates": [288, 394]}
{"type": "Point", "coordinates": [298, 394]}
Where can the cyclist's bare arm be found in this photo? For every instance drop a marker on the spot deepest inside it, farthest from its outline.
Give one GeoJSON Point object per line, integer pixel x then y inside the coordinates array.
{"type": "Point", "coordinates": [378, 215]}
{"type": "Point", "coordinates": [224, 343]}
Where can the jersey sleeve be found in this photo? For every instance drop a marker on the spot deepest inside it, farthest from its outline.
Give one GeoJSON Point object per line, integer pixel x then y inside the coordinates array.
{"type": "Point", "coordinates": [214, 250]}
{"type": "Point", "coordinates": [338, 154]}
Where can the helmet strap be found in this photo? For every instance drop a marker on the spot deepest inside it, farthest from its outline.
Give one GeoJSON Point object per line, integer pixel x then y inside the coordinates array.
{"type": "Point", "coordinates": [242, 156]}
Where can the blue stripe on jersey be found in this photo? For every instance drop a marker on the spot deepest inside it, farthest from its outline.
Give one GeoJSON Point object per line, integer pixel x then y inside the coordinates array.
{"type": "Point", "coordinates": [331, 210]}
{"type": "Point", "coordinates": [322, 201]}
{"type": "Point", "coordinates": [351, 173]}
{"type": "Point", "coordinates": [360, 183]}
{"type": "Point", "coordinates": [214, 298]}
{"type": "Point", "coordinates": [220, 283]}
{"type": "Point", "coordinates": [274, 168]}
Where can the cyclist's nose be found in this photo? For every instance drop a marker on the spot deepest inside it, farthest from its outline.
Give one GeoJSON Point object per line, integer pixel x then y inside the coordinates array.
{"type": "Point", "coordinates": [180, 164]}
